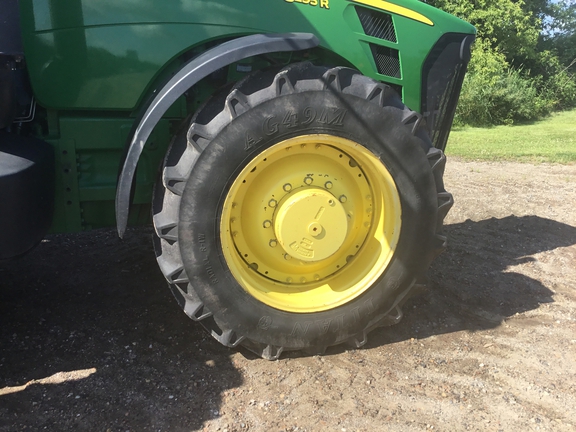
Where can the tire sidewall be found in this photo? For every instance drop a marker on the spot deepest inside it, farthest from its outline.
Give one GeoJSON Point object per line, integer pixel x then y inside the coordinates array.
{"type": "Point", "coordinates": [380, 130]}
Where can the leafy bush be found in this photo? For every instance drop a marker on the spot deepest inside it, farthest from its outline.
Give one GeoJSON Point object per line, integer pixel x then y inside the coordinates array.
{"type": "Point", "coordinates": [495, 94]}
{"type": "Point", "coordinates": [509, 99]}
{"type": "Point", "coordinates": [561, 89]}
{"type": "Point", "coordinates": [559, 84]}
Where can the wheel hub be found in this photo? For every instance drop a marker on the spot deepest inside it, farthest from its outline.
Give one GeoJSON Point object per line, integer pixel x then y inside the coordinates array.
{"type": "Point", "coordinates": [310, 224]}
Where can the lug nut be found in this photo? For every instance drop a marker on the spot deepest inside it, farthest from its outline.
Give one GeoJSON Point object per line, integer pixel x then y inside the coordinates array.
{"type": "Point", "coordinates": [328, 185]}
{"type": "Point", "coordinates": [287, 257]}
{"type": "Point", "coordinates": [287, 187]}
{"type": "Point", "coordinates": [308, 180]}
{"type": "Point", "coordinates": [343, 198]}
{"type": "Point", "coordinates": [267, 224]}
{"type": "Point", "coordinates": [272, 203]}
{"type": "Point", "coordinates": [273, 243]}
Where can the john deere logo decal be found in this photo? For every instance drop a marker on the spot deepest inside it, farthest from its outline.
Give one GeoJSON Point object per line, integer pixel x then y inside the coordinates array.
{"type": "Point", "coordinates": [325, 4]}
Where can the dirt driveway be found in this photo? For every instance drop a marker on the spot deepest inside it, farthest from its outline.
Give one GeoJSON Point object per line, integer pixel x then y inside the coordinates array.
{"type": "Point", "coordinates": [91, 340]}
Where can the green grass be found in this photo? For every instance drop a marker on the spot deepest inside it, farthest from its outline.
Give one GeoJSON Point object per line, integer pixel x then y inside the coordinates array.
{"type": "Point", "coordinates": [550, 140]}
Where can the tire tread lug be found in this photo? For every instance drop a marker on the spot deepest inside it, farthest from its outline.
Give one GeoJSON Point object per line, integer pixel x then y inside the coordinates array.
{"type": "Point", "coordinates": [272, 352]}
{"type": "Point", "coordinates": [196, 310]}
{"type": "Point", "coordinates": [282, 84]}
{"type": "Point", "coordinates": [228, 338]}
{"type": "Point", "coordinates": [237, 103]}
{"type": "Point", "coordinates": [199, 136]}
{"type": "Point", "coordinates": [332, 79]}
{"type": "Point", "coordinates": [170, 263]}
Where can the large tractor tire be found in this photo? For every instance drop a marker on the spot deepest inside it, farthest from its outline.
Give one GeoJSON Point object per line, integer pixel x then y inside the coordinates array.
{"type": "Point", "coordinates": [299, 210]}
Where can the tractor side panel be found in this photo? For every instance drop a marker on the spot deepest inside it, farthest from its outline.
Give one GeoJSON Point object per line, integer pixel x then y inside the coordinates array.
{"type": "Point", "coordinates": [88, 156]}
{"type": "Point", "coordinates": [89, 54]}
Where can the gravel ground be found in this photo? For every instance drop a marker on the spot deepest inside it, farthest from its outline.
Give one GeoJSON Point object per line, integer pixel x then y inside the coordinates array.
{"type": "Point", "coordinates": [91, 340]}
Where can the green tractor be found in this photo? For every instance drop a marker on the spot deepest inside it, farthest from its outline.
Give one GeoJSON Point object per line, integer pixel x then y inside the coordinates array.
{"type": "Point", "coordinates": [289, 153]}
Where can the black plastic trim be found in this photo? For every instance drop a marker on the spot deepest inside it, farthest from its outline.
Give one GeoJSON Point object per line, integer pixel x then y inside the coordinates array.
{"type": "Point", "coordinates": [10, 33]}
{"type": "Point", "coordinates": [27, 187]}
{"type": "Point", "coordinates": [442, 77]}
{"type": "Point", "coordinates": [196, 69]}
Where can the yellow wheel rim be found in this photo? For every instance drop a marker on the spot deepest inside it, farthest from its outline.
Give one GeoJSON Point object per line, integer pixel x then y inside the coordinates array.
{"type": "Point", "coordinates": [310, 223]}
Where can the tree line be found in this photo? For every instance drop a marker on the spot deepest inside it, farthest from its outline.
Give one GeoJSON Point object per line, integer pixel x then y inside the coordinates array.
{"type": "Point", "coordinates": [523, 63]}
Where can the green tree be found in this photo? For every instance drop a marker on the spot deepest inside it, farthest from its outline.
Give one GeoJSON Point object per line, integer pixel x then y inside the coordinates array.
{"type": "Point", "coordinates": [504, 24]}
{"type": "Point", "coordinates": [520, 61]}
{"type": "Point", "coordinates": [559, 34]}
{"type": "Point", "coordinates": [558, 42]}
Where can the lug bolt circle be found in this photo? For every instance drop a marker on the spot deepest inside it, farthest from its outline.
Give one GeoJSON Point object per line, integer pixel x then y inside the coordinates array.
{"type": "Point", "coordinates": [343, 198]}
{"type": "Point", "coordinates": [308, 180]}
{"type": "Point", "coordinates": [328, 185]}
{"type": "Point", "coordinates": [287, 187]}
{"type": "Point", "coordinates": [267, 224]}
{"type": "Point", "coordinates": [272, 203]}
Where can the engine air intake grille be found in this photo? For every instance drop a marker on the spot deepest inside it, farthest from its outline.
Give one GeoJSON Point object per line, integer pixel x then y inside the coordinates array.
{"type": "Point", "coordinates": [387, 60]}
{"type": "Point", "coordinates": [377, 24]}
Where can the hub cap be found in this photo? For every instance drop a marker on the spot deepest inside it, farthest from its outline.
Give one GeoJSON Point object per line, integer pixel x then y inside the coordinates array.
{"type": "Point", "coordinates": [310, 224]}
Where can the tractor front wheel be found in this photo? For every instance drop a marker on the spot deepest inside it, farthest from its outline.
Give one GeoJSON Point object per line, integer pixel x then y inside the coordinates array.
{"type": "Point", "coordinates": [299, 210]}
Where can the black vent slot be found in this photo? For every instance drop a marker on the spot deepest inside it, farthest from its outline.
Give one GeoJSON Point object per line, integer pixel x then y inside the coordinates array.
{"type": "Point", "coordinates": [377, 24]}
{"type": "Point", "coordinates": [387, 60]}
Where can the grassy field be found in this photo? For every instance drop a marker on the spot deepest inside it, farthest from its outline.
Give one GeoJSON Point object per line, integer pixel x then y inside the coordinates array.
{"type": "Point", "coordinates": [550, 140]}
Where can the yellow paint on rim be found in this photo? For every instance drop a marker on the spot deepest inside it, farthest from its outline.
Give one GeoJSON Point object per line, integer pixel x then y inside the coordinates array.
{"type": "Point", "coordinates": [310, 223]}
{"type": "Point", "coordinates": [394, 8]}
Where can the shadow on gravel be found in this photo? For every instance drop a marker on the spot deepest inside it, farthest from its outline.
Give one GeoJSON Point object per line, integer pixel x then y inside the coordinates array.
{"type": "Point", "coordinates": [98, 309]}
{"type": "Point", "coordinates": [473, 285]}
